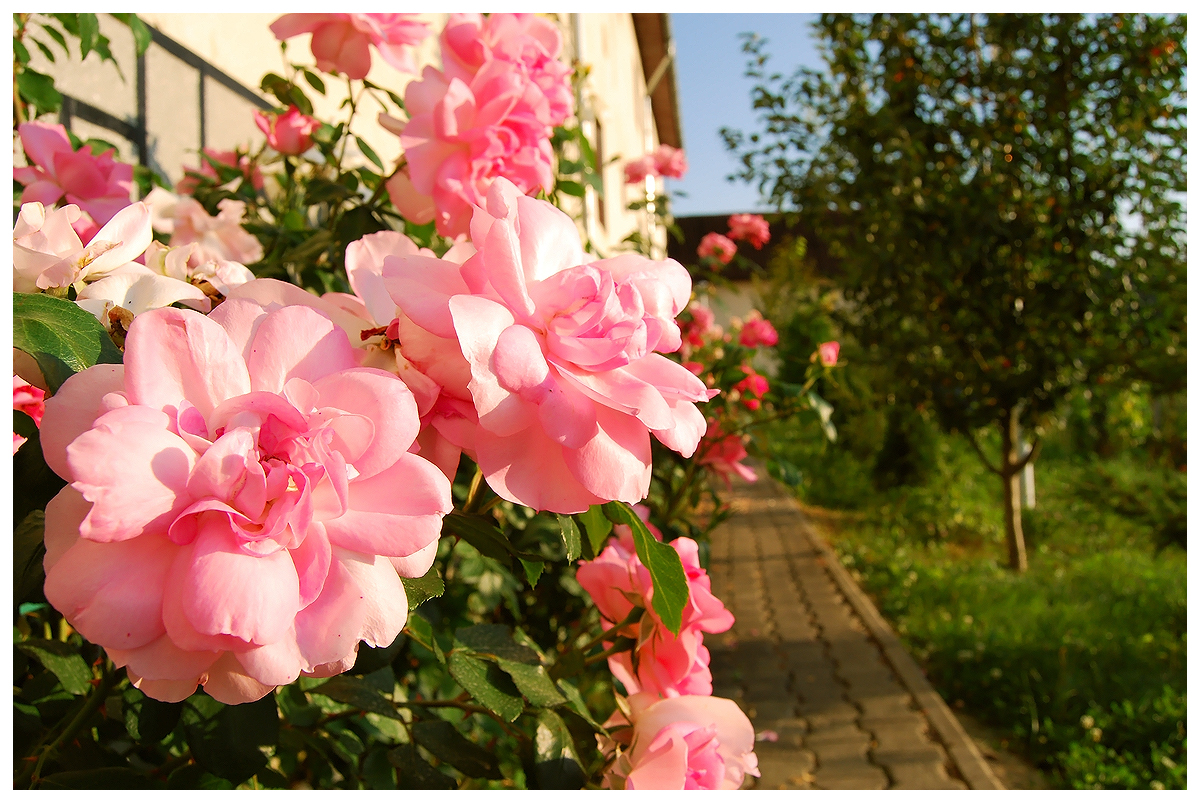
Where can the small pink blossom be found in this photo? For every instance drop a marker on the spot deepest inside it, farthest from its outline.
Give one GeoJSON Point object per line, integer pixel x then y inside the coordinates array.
{"type": "Point", "coordinates": [752, 388]}
{"type": "Point", "coordinates": [700, 327]}
{"type": "Point", "coordinates": [530, 43]}
{"type": "Point", "coordinates": [670, 162]}
{"type": "Point", "coordinates": [716, 246]}
{"type": "Point", "coordinates": [564, 371]}
{"type": "Point", "coordinates": [637, 170]}
{"type": "Point", "coordinates": [757, 331]}
{"type": "Point", "coordinates": [289, 133]}
{"type": "Point", "coordinates": [47, 252]}
{"type": "Point", "coordinates": [752, 229]}
{"type": "Point", "coordinates": [241, 498]}
{"type": "Point", "coordinates": [666, 664]}
{"type": "Point", "coordinates": [250, 172]}
{"type": "Point", "coordinates": [340, 42]}
{"type": "Point", "coordinates": [724, 455]}
{"type": "Point", "coordinates": [462, 136]}
{"type": "Point", "coordinates": [98, 184]}
{"type": "Point", "coordinates": [696, 368]}
{"type": "Point", "coordinates": [686, 742]}
{"type": "Point", "coordinates": [29, 400]}
{"type": "Point", "coordinates": [219, 238]}
{"type": "Point", "coordinates": [828, 353]}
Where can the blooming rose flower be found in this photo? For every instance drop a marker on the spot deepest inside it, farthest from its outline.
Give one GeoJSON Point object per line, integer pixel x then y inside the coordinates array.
{"type": "Point", "coordinates": [670, 161]}
{"type": "Point", "coordinates": [564, 376]}
{"type": "Point", "coordinates": [637, 170]}
{"type": "Point", "coordinates": [752, 229]}
{"type": "Point", "coordinates": [716, 246]}
{"type": "Point", "coordinates": [702, 324]}
{"type": "Point", "coordinates": [98, 184]}
{"type": "Point", "coordinates": [828, 353]}
{"type": "Point", "coordinates": [240, 493]}
{"type": "Point", "coordinates": [666, 664]}
{"type": "Point", "coordinates": [461, 136]}
{"type": "Point", "coordinates": [757, 331]}
{"type": "Point", "coordinates": [752, 388]}
{"type": "Point", "coordinates": [289, 133]}
{"type": "Point", "coordinates": [47, 253]}
{"type": "Point", "coordinates": [29, 400]}
{"type": "Point", "coordinates": [688, 742]}
{"type": "Point", "coordinates": [340, 42]}
{"type": "Point", "coordinates": [527, 41]}
{"type": "Point", "coordinates": [724, 455]}
{"type": "Point", "coordinates": [250, 172]}
{"type": "Point", "coordinates": [219, 238]}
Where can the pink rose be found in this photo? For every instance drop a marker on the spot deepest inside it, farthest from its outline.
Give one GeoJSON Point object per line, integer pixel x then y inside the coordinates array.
{"type": "Point", "coordinates": [724, 455]}
{"type": "Point", "coordinates": [187, 184]}
{"type": "Point", "coordinates": [637, 170]}
{"type": "Point", "coordinates": [757, 331]}
{"type": "Point", "coordinates": [564, 376]}
{"type": "Point", "coordinates": [666, 664]}
{"type": "Point", "coordinates": [99, 185]}
{"type": "Point", "coordinates": [828, 353]}
{"type": "Point", "coordinates": [670, 161]}
{"type": "Point", "coordinates": [716, 246]}
{"type": "Point", "coordinates": [752, 229]}
{"type": "Point", "coordinates": [340, 42]}
{"type": "Point", "coordinates": [240, 494]}
{"type": "Point", "coordinates": [687, 742]}
{"type": "Point", "coordinates": [530, 43]}
{"type": "Point", "coordinates": [289, 133]}
{"type": "Point", "coordinates": [47, 252]}
{"type": "Point", "coordinates": [462, 136]}
{"type": "Point", "coordinates": [219, 238]}
{"type": "Point", "coordinates": [752, 388]}
{"type": "Point", "coordinates": [29, 400]}
{"type": "Point", "coordinates": [702, 324]}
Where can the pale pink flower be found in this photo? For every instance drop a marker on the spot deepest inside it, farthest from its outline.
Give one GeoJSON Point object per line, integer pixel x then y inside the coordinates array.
{"type": "Point", "coordinates": [637, 170]}
{"type": "Point", "coordinates": [460, 137]}
{"type": "Point", "coordinates": [828, 353]}
{"type": "Point", "coordinates": [666, 664]}
{"type": "Point", "coordinates": [670, 162]}
{"type": "Point", "coordinates": [724, 455]}
{"type": "Point", "coordinates": [240, 494]}
{"type": "Point", "coordinates": [564, 374]}
{"type": "Point", "coordinates": [98, 184]}
{"type": "Point", "coordinates": [757, 331]}
{"type": "Point", "coordinates": [340, 42]}
{"type": "Point", "coordinates": [688, 742]}
{"type": "Point", "coordinates": [716, 246]}
{"type": "Point", "coordinates": [752, 229]}
{"type": "Point", "coordinates": [530, 43]}
{"type": "Point", "coordinates": [47, 252]}
{"type": "Point", "coordinates": [190, 263]}
{"type": "Point", "coordinates": [289, 133]}
{"type": "Point", "coordinates": [136, 289]}
{"type": "Point", "coordinates": [250, 172]}
{"type": "Point", "coordinates": [219, 238]}
{"type": "Point", "coordinates": [29, 400]}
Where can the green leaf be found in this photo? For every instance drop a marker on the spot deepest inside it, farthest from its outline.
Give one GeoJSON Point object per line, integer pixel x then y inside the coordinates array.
{"type": "Point", "coordinates": [666, 570]}
{"type": "Point", "coordinates": [62, 337]}
{"type": "Point", "coordinates": [101, 778]}
{"type": "Point", "coordinates": [420, 589]}
{"type": "Point", "coordinates": [445, 742]}
{"type": "Point", "coordinates": [570, 536]}
{"type": "Point", "coordinates": [358, 693]}
{"type": "Point", "coordinates": [141, 33]}
{"type": "Point", "coordinates": [377, 771]}
{"type": "Point", "coordinates": [56, 36]}
{"type": "Point", "coordinates": [369, 152]}
{"type": "Point", "coordinates": [28, 551]}
{"type": "Point", "coordinates": [229, 744]}
{"type": "Point", "coordinates": [45, 50]}
{"type": "Point", "coordinates": [495, 641]}
{"type": "Point", "coordinates": [480, 533]}
{"type": "Point", "coordinates": [487, 683]}
{"type": "Point", "coordinates": [533, 570]}
{"type": "Point", "coordinates": [597, 526]}
{"type": "Point", "coordinates": [63, 660]}
{"type": "Point", "coordinates": [39, 90]}
{"type": "Point", "coordinates": [89, 34]}
{"type": "Point", "coordinates": [420, 631]}
{"type": "Point", "coordinates": [147, 719]}
{"type": "Point", "coordinates": [534, 683]}
{"type": "Point", "coordinates": [576, 703]}
{"type": "Point", "coordinates": [825, 411]}
{"type": "Point", "coordinates": [556, 762]}
{"type": "Point", "coordinates": [299, 99]}
{"type": "Point", "coordinates": [314, 81]}
{"type": "Point", "coordinates": [414, 772]}
{"type": "Point", "coordinates": [373, 659]}
{"type": "Point", "coordinates": [22, 53]}
{"type": "Point", "coordinates": [571, 188]}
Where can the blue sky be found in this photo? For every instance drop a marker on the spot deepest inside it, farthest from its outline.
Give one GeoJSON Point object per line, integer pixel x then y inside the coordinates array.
{"type": "Point", "coordinates": [713, 93]}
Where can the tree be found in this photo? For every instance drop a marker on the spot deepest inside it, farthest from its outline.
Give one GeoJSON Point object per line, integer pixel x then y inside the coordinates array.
{"type": "Point", "coordinates": [1004, 195]}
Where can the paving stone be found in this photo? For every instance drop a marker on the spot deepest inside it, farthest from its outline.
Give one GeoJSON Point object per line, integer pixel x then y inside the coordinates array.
{"type": "Point", "coordinates": [822, 712]}
{"type": "Point", "coordinates": [849, 775]}
{"type": "Point", "coordinates": [783, 768]}
{"type": "Point", "coordinates": [923, 776]}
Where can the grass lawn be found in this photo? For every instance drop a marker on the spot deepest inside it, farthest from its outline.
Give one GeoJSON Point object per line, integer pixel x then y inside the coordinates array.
{"type": "Point", "coordinates": [1082, 660]}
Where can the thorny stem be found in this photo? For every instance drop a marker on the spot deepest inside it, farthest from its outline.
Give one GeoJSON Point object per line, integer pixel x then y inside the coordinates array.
{"type": "Point", "coordinates": [633, 616]}
{"type": "Point", "coordinates": [621, 645]}
{"type": "Point", "coordinates": [97, 697]}
{"type": "Point", "coordinates": [471, 709]}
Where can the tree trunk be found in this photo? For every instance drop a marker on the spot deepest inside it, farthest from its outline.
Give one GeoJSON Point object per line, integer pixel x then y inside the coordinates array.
{"type": "Point", "coordinates": [1010, 477]}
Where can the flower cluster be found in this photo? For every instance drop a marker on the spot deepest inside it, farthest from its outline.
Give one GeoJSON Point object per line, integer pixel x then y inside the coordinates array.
{"type": "Point", "coordinates": [665, 160]}
{"type": "Point", "coordinates": [716, 247]}
{"type": "Point", "coordinates": [752, 229]}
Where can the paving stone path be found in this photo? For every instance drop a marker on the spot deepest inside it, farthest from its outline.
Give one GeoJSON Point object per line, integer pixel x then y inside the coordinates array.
{"type": "Point", "coordinates": [811, 661]}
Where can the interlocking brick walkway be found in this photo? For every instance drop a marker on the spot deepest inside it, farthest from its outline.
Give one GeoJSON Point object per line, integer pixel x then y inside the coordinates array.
{"type": "Point", "coordinates": [811, 660]}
